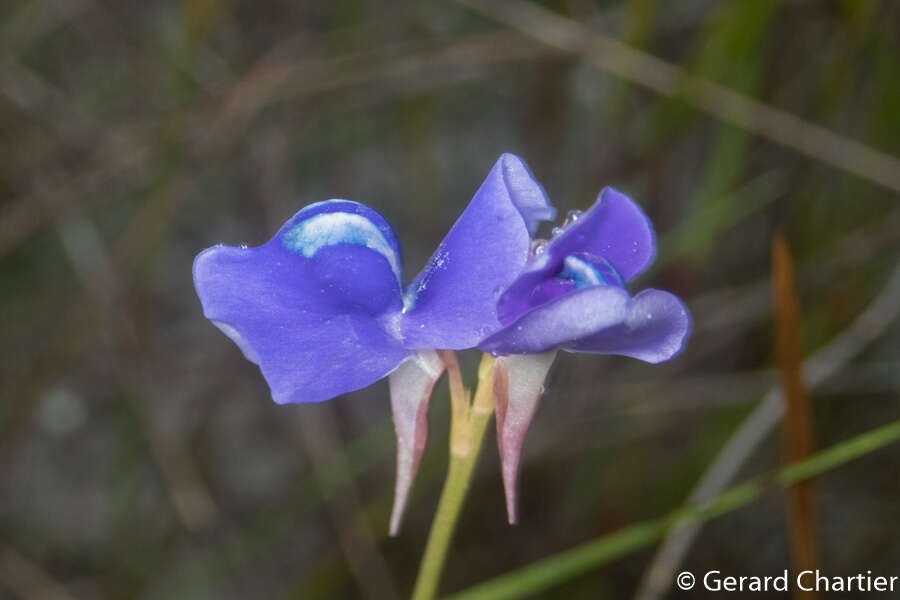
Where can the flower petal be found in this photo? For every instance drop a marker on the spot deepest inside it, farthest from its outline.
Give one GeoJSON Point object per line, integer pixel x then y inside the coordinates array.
{"type": "Point", "coordinates": [586, 270]}
{"type": "Point", "coordinates": [614, 228]}
{"type": "Point", "coordinates": [655, 329]}
{"type": "Point", "coordinates": [576, 315]}
{"type": "Point", "coordinates": [411, 384]}
{"type": "Point", "coordinates": [518, 386]}
{"type": "Point", "coordinates": [342, 222]}
{"type": "Point", "coordinates": [314, 306]}
{"type": "Point", "coordinates": [452, 304]}
{"type": "Point", "coordinates": [525, 192]}
{"type": "Point", "coordinates": [578, 271]}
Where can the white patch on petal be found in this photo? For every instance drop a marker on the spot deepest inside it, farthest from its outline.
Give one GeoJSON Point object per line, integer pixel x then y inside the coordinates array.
{"type": "Point", "coordinates": [411, 384]}
{"type": "Point", "coordinates": [238, 339]}
{"type": "Point", "coordinates": [329, 229]}
{"type": "Point", "coordinates": [583, 273]}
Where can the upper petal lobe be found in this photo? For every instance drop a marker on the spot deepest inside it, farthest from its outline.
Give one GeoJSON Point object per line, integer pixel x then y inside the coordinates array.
{"type": "Point", "coordinates": [452, 304]}
{"type": "Point", "coordinates": [614, 228]}
{"type": "Point", "coordinates": [313, 306]}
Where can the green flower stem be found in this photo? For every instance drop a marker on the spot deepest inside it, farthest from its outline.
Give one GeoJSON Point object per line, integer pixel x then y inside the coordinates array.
{"type": "Point", "coordinates": [468, 425]}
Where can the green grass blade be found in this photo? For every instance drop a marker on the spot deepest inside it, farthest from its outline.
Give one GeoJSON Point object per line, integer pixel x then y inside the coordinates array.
{"type": "Point", "coordinates": [561, 567]}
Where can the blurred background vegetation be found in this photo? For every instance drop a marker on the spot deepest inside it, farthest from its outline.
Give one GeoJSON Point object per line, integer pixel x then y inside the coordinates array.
{"type": "Point", "coordinates": [140, 454]}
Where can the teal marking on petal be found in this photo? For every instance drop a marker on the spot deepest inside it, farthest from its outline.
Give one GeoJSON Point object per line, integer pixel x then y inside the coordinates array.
{"type": "Point", "coordinates": [583, 273]}
{"type": "Point", "coordinates": [585, 270]}
{"type": "Point", "coordinates": [329, 229]}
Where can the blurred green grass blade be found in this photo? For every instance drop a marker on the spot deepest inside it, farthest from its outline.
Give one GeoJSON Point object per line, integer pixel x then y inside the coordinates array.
{"type": "Point", "coordinates": [719, 217]}
{"type": "Point", "coordinates": [733, 55]}
{"type": "Point", "coordinates": [840, 454]}
{"type": "Point", "coordinates": [566, 565]}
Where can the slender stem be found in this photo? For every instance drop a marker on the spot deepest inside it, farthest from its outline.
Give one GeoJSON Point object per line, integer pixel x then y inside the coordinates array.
{"type": "Point", "coordinates": [467, 428]}
{"type": "Point", "coordinates": [444, 525]}
{"type": "Point", "coordinates": [459, 397]}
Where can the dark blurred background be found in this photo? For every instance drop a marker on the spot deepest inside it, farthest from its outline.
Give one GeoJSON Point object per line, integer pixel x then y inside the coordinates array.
{"type": "Point", "coordinates": [140, 454]}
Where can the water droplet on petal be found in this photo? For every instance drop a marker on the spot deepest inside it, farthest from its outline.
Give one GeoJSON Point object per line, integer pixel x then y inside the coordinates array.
{"type": "Point", "coordinates": [538, 247]}
{"type": "Point", "coordinates": [244, 246]}
{"type": "Point", "coordinates": [649, 316]}
{"type": "Point", "coordinates": [572, 217]}
{"type": "Point", "coordinates": [556, 231]}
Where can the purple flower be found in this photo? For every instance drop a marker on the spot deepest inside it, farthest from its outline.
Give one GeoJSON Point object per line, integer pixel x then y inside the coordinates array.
{"type": "Point", "coordinates": [322, 310]}
{"type": "Point", "coordinates": [321, 307]}
{"type": "Point", "coordinates": [571, 295]}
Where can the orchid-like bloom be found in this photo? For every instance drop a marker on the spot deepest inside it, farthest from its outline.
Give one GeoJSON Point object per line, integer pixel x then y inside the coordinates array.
{"type": "Point", "coordinates": [571, 295]}
{"type": "Point", "coordinates": [321, 307]}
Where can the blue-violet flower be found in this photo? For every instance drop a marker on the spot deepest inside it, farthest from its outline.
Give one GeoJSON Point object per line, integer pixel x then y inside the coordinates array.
{"type": "Point", "coordinates": [322, 311]}
{"type": "Point", "coordinates": [571, 295]}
